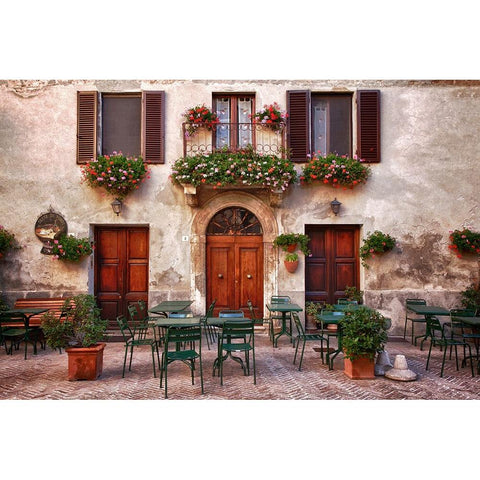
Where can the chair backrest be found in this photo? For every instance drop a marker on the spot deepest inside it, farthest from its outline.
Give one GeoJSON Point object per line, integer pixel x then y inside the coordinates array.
{"type": "Point", "coordinates": [255, 319]}
{"type": "Point", "coordinates": [415, 301]}
{"type": "Point", "coordinates": [9, 320]}
{"type": "Point", "coordinates": [346, 301]}
{"type": "Point", "coordinates": [280, 299]}
{"type": "Point", "coordinates": [133, 312]}
{"type": "Point", "coordinates": [210, 309]}
{"type": "Point", "coordinates": [124, 327]}
{"type": "Point", "coordinates": [298, 324]}
{"type": "Point", "coordinates": [142, 309]}
{"type": "Point", "coordinates": [462, 312]}
{"type": "Point", "coordinates": [231, 314]}
{"type": "Point", "coordinates": [178, 335]}
{"type": "Point", "coordinates": [238, 329]}
{"type": "Point", "coordinates": [435, 327]}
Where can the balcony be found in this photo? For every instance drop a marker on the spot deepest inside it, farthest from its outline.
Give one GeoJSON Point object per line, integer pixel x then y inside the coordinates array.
{"type": "Point", "coordinates": [235, 137]}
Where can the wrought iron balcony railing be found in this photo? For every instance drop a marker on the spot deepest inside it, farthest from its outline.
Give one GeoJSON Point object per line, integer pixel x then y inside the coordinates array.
{"type": "Point", "coordinates": [234, 137]}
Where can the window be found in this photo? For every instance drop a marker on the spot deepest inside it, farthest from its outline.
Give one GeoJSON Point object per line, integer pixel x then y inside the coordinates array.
{"type": "Point", "coordinates": [131, 123]}
{"type": "Point", "coordinates": [323, 122]}
{"type": "Point", "coordinates": [234, 130]}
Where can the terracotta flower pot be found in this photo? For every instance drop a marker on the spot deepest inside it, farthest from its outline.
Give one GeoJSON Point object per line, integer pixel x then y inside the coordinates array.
{"type": "Point", "coordinates": [291, 266]}
{"type": "Point", "coordinates": [361, 368]}
{"type": "Point", "coordinates": [291, 248]}
{"type": "Point", "coordinates": [85, 363]}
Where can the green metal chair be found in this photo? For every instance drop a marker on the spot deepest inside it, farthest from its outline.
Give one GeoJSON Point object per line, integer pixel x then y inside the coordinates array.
{"type": "Point", "coordinates": [238, 335]}
{"type": "Point", "coordinates": [413, 319]}
{"type": "Point", "coordinates": [138, 321]}
{"type": "Point", "coordinates": [15, 327]}
{"type": "Point", "coordinates": [132, 339]}
{"type": "Point", "coordinates": [256, 320]}
{"type": "Point", "coordinates": [209, 331]}
{"type": "Point", "coordinates": [306, 337]}
{"type": "Point", "coordinates": [441, 338]}
{"type": "Point", "coordinates": [456, 326]}
{"type": "Point", "coordinates": [177, 336]}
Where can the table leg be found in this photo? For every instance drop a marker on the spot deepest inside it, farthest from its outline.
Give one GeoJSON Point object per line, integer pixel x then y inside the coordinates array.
{"type": "Point", "coordinates": [283, 330]}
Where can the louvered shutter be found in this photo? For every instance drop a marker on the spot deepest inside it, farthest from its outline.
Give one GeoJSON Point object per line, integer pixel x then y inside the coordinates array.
{"type": "Point", "coordinates": [154, 127]}
{"type": "Point", "coordinates": [298, 125]}
{"type": "Point", "coordinates": [368, 124]}
{"type": "Point", "coordinates": [86, 126]}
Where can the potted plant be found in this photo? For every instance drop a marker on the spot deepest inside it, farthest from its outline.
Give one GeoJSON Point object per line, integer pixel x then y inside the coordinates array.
{"type": "Point", "coordinates": [290, 242]}
{"type": "Point", "coordinates": [364, 335]}
{"type": "Point", "coordinates": [117, 174]}
{"type": "Point", "coordinates": [7, 241]}
{"type": "Point", "coordinates": [464, 241]}
{"type": "Point", "coordinates": [354, 294]}
{"type": "Point", "coordinates": [270, 117]}
{"type": "Point", "coordinates": [199, 116]}
{"type": "Point", "coordinates": [70, 248]}
{"type": "Point", "coordinates": [375, 243]}
{"type": "Point", "coordinates": [291, 262]}
{"type": "Point", "coordinates": [335, 170]}
{"type": "Point", "coordinates": [311, 311]}
{"type": "Point", "coordinates": [79, 332]}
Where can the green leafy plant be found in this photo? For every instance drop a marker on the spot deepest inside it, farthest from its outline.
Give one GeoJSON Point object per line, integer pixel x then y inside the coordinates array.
{"type": "Point", "coordinates": [117, 174]}
{"type": "Point", "coordinates": [199, 116]}
{"type": "Point", "coordinates": [364, 333]}
{"type": "Point", "coordinates": [464, 241]}
{"type": "Point", "coordinates": [312, 308]}
{"type": "Point", "coordinates": [245, 167]}
{"type": "Point", "coordinates": [7, 240]}
{"type": "Point", "coordinates": [375, 243]}
{"type": "Point", "coordinates": [81, 327]}
{"type": "Point", "coordinates": [271, 116]}
{"type": "Point", "coordinates": [353, 293]}
{"type": "Point", "coordinates": [471, 297]}
{"type": "Point", "coordinates": [335, 170]}
{"type": "Point", "coordinates": [70, 248]}
{"type": "Point", "coordinates": [291, 257]}
{"type": "Point", "coordinates": [284, 240]}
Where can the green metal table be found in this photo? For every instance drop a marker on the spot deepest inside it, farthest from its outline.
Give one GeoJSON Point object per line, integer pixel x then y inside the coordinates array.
{"type": "Point", "coordinates": [331, 318]}
{"type": "Point", "coordinates": [429, 311]}
{"type": "Point", "coordinates": [283, 308]}
{"type": "Point", "coordinates": [170, 306]}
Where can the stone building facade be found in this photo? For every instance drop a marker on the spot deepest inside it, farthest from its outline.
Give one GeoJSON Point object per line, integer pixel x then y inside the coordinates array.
{"type": "Point", "coordinates": [426, 184]}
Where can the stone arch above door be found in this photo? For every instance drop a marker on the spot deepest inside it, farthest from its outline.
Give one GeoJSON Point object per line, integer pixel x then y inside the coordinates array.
{"type": "Point", "coordinates": [265, 215]}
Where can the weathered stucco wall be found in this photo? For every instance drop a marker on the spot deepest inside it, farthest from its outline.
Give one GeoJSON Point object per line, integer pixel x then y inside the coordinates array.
{"type": "Point", "coordinates": [427, 184]}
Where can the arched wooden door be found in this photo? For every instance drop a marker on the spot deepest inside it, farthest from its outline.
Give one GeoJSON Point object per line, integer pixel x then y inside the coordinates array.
{"type": "Point", "coordinates": [235, 261]}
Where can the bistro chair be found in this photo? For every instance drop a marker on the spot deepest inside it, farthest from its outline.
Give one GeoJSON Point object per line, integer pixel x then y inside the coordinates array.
{"type": "Point", "coordinates": [137, 319]}
{"type": "Point", "coordinates": [237, 336]}
{"type": "Point", "coordinates": [256, 320]}
{"type": "Point", "coordinates": [441, 338]}
{"type": "Point", "coordinates": [456, 326]}
{"type": "Point", "coordinates": [306, 337]}
{"type": "Point", "coordinates": [180, 336]}
{"type": "Point", "coordinates": [413, 319]}
{"type": "Point", "coordinates": [15, 327]}
{"type": "Point", "coordinates": [209, 330]}
{"type": "Point", "coordinates": [134, 338]}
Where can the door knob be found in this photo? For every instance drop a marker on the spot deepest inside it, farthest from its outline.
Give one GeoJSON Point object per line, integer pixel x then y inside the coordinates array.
{"type": "Point", "coordinates": [249, 276]}
{"type": "Point", "coordinates": [220, 275]}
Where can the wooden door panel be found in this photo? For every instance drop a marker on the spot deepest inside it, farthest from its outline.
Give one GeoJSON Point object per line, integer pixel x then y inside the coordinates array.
{"type": "Point", "coordinates": [121, 269]}
{"type": "Point", "coordinates": [235, 272]}
{"type": "Point", "coordinates": [334, 262]}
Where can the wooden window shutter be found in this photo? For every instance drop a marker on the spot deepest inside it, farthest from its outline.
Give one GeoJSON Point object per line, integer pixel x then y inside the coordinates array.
{"type": "Point", "coordinates": [298, 125]}
{"type": "Point", "coordinates": [86, 126]}
{"type": "Point", "coordinates": [154, 127]}
{"type": "Point", "coordinates": [368, 125]}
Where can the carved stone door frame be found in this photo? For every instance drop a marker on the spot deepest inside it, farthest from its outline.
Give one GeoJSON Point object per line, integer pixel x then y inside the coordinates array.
{"type": "Point", "coordinates": [198, 240]}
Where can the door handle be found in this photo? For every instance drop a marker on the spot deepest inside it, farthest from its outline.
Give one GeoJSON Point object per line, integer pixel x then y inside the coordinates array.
{"type": "Point", "coordinates": [220, 275]}
{"type": "Point", "coordinates": [249, 276]}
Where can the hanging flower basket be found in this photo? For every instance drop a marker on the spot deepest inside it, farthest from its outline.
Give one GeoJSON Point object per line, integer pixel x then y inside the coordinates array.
{"type": "Point", "coordinates": [375, 243]}
{"type": "Point", "coordinates": [335, 170]}
{"type": "Point", "coordinates": [71, 249]}
{"type": "Point", "coordinates": [464, 241]}
{"type": "Point", "coordinates": [291, 262]}
{"type": "Point", "coordinates": [117, 174]}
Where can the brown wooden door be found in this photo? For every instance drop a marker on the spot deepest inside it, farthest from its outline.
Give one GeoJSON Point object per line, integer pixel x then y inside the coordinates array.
{"type": "Point", "coordinates": [121, 269]}
{"type": "Point", "coordinates": [334, 263]}
{"type": "Point", "coordinates": [235, 272]}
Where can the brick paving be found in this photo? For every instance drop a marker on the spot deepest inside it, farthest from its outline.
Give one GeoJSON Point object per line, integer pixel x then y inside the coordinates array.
{"type": "Point", "coordinates": [44, 376]}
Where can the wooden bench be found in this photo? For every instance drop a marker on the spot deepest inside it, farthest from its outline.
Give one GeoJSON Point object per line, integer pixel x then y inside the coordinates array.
{"type": "Point", "coordinates": [54, 304]}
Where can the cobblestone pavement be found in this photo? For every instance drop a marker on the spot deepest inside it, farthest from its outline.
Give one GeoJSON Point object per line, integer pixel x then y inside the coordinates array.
{"type": "Point", "coordinates": [44, 376]}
